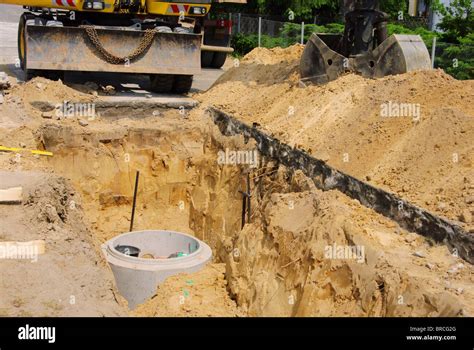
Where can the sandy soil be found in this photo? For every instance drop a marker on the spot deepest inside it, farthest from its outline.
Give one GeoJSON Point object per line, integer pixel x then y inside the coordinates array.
{"type": "Point", "coordinates": [180, 184]}
{"type": "Point", "coordinates": [200, 294]}
{"type": "Point", "coordinates": [277, 265]}
{"type": "Point", "coordinates": [427, 160]}
{"type": "Point", "coordinates": [69, 279]}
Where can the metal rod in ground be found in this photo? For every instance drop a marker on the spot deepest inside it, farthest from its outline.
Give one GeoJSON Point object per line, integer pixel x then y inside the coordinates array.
{"type": "Point", "coordinates": [248, 198]}
{"type": "Point", "coordinates": [244, 208]}
{"type": "Point", "coordinates": [433, 53]}
{"type": "Point", "coordinates": [238, 22]}
{"type": "Point", "coordinates": [259, 31]}
{"type": "Point", "coordinates": [134, 200]}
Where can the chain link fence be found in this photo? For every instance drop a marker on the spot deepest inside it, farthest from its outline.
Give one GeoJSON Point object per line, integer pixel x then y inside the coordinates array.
{"type": "Point", "coordinates": [267, 33]}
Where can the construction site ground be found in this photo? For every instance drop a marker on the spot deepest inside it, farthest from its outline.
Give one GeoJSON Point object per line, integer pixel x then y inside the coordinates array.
{"type": "Point", "coordinates": [276, 265]}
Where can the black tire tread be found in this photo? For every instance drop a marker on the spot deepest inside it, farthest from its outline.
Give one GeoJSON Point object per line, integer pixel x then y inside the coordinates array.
{"type": "Point", "coordinates": [182, 84]}
{"type": "Point", "coordinates": [219, 59]}
{"type": "Point", "coordinates": [206, 59]}
{"type": "Point", "coordinates": [162, 83]}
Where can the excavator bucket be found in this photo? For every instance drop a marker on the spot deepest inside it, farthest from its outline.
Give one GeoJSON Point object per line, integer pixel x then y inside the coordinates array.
{"type": "Point", "coordinates": [72, 49]}
{"type": "Point", "coordinates": [400, 54]}
{"type": "Point", "coordinates": [322, 61]}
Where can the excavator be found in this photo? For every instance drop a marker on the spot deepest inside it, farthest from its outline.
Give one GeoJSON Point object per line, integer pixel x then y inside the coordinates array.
{"type": "Point", "coordinates": [364, 48]}
{"type": "Point", "coordinates": [170, 40]}
{"type": "Point", "coordinates": [162, 39]}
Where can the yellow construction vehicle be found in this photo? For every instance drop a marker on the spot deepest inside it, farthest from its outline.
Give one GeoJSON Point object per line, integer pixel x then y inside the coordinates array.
{"type": "Point", "coordinates": [162, 39]}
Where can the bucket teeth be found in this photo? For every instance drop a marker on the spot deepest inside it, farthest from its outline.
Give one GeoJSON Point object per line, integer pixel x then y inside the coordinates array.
{"type": "Point", "coordinates": [321, 62]}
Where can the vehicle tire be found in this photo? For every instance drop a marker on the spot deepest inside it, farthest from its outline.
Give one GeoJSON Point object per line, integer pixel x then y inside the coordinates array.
{"type": "Point", "coordinates": [206, 58]}
{"type": "Point", "coordinates": [161, 83]}
{"type": "Point", "coordinates": [22, 38]}
{"type": "Point", "coordinates": [182, 84]}
{"type": "Point", "coordinates": [219, 59]}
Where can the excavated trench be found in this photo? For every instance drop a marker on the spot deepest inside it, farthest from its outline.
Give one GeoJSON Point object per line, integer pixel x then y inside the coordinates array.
{"type": "Point", "coordinates": [305, 252]}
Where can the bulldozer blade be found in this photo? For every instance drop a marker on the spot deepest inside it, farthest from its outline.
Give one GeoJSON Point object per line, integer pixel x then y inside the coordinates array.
{"type": "Point", "coordinates": [69, 49]}
{"type": "Point", "coordinates": [398, 54]}
{"type": "Point", "coordinates": [319, 63]}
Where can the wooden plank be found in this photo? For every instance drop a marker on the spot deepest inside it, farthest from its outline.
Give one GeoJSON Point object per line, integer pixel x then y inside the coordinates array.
{"type": "Point", "coordinates": [11, 195]}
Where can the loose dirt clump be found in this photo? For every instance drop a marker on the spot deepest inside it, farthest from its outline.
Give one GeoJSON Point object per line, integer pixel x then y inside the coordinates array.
{"type": "Point", "coordinates": [201, 294]}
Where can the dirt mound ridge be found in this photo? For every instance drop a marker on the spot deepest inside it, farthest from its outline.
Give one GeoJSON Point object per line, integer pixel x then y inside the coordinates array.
{"type": "Point", "coordinates": [424, 153]}
{"type": "Point", "coordinates": [265, 66]}
{"type": "Point", "coordinates": [53, 91]}
{"type": "Point", "coordinates": [314, 253]}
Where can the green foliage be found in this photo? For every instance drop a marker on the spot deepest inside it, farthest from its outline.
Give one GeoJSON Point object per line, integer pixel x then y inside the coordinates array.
{"type": "Point", "coordinates": [305, 9]}
{"type": "Point", "coordinates": [293, 30]}
{"type": "Point", "coordinates": [289, 35]}
{"type": "Point", "coordinates": [458, 19]}
{"type": "Point", "coordinates": [456, 47]}
{"type": "Point", "coordinates": [244, 43]}
{"type": "Point", "coordinates": [393, 7]}
{"type": "Point", "coordinates": [302, 9]}
{"type": "Point", "coordinates": [426, 35]}
{"type": "Point", "coordinates": [457, 60]}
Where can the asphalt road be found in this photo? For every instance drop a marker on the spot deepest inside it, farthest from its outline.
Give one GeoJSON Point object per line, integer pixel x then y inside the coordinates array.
{"type": "Point", "coordinates": [132, 85]}
{"type": "Point", "coordinates": [10, 13]}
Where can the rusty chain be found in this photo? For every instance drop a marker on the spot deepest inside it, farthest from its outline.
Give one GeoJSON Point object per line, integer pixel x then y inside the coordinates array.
{"type": "Point", "coordinates": [145, 43]}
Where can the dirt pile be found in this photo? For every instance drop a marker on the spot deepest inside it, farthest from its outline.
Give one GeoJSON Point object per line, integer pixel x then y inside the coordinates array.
{"type": "Point", "coordinates": [314, 253]}
{"type": "Point", "coordinates": [410, 134]}
{"type": "Point", "coordinates": [201, 294]}
{"type": "Point", "coordinates": [68, 279]}
{"type": "Point", "coordinates": [53, 91]}
{"type": "Point", "coordinates": [265, 66]}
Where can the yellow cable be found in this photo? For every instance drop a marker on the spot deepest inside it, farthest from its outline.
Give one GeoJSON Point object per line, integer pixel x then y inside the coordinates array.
{"type": "Point", "coordinates": [14, 149]}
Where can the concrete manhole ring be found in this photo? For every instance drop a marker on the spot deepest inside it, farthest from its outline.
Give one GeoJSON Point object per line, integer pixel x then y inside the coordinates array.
{"type": "Point", "coordinates": [160, 254]}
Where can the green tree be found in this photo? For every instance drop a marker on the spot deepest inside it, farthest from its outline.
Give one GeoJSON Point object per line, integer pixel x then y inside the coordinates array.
{"type": "Point", "coordinates": [302, 9]}
{"type": "Point", "coordinates": [306, 9]}
{"type": "Point", "coordinates": [394, 7]}
{"type": "Point", "coordinates": [458, 59]}
{"type": "Point", "coordinates": [458, 19]}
